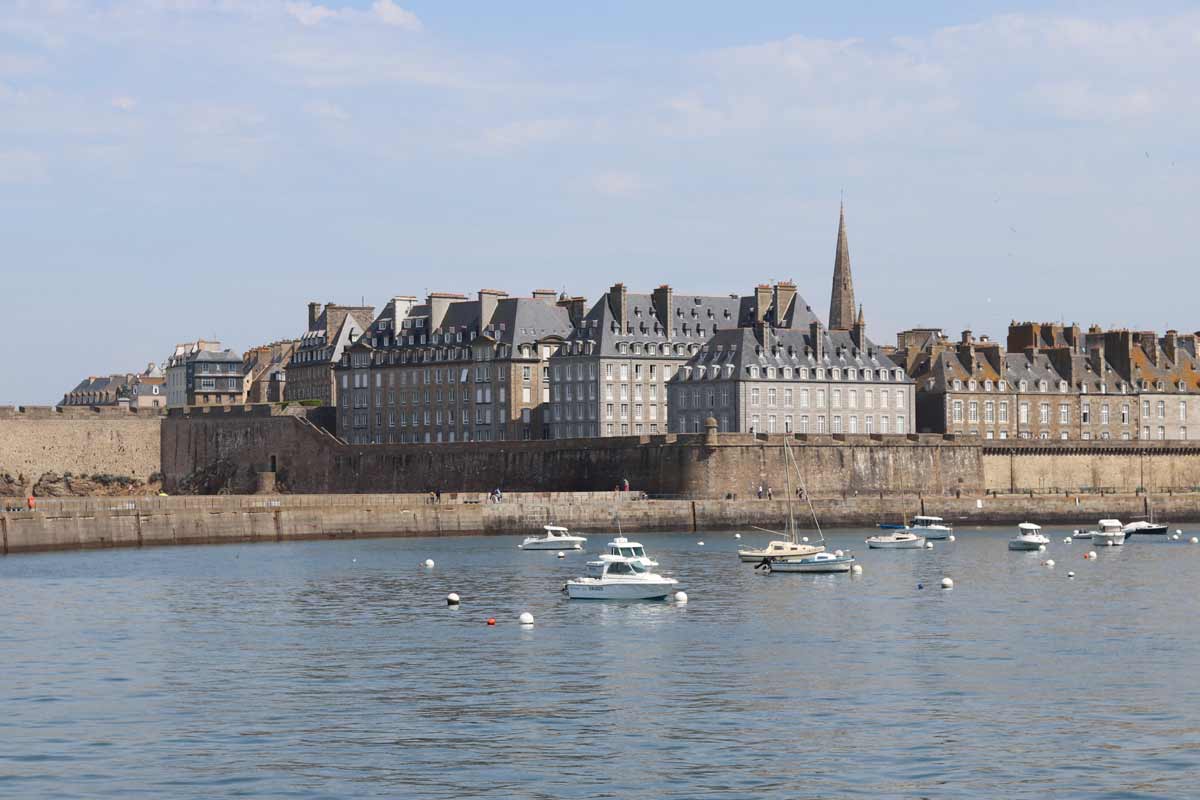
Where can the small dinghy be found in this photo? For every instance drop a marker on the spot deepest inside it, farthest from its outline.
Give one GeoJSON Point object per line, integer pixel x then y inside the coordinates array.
{"type": "Point", "coordinates": [555, 538]}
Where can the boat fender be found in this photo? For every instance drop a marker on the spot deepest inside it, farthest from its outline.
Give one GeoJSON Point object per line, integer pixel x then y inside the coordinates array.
{"type": "Point", "coordinates": [429, 563]}
{"type": "Point", "coordinates": [526, 619]}
{"type": "Point", "coordinates": [452, 599]}
{"type": "Point", "coordinates": [947, 583]}
{"type": "Point", "coordinates": [681, 597]}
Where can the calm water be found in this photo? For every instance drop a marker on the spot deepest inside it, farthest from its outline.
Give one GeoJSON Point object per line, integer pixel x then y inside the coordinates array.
{"type": "Point", "coordinates": [335, 669]}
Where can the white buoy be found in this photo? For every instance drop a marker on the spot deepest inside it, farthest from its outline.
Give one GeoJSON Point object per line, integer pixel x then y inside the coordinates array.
{"type": "Point", "coordinates": [1076, 531]}
{"type": "Point", "coordinates": [526, 618]}
{"type": "Point", "coordinates": [1070, 574]}
{"type": "Point", "coordinates": [354, 561]}
{"type": "Point", "coordinates": [1194, 540]}
{"type": "Point", "coordinates": [856, 569]}
{"type": "Point", "coordinates": [1091, 554]}
{"type": "Point", "coordinates": [950, 538]}
{"type": "Point", "coordinates": [1179, 531]}
{"type": "Point", "coordinates": [1067, 540]}
{"type": "Point", "coordinates": [561, 554]}
{"type": "Point", "coordinates": [838, 553]}
{"type": "Point", "coordinates": [452, 599]}
{"type": "Point", "coordinates": [1175, 537]}
{"type": "Point", "coordinates": [429, 563]}
{"type": "Point", "coordinates": [1049, 562]}
{"type": "Point", "coordinates": [737, 536]}
{"type": "Point", "coordinates": [929, 545]}
{"type": "Point", "coordinates": [1041, 548]}
{"type": "Point", "coordinates": [700, 543]}
{"type": "Point", "coordinates": [804, 539]}
{"type": "Point", "coordinates": [681, 597]}
{"type": "Point", "coordinates": [947, 583]}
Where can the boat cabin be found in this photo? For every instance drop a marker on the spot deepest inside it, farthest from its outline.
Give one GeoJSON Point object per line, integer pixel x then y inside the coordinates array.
{"type": "Point", "coordinates": [626, 549]}
{"type": "Point", "coordinates": [601, 569]}
{"type": "Point", "coordinates": [1111, 526]}
{"type": "Point", "coordinates": [1028, 528]}
{"type": "Point", "coordinates": [919, 520]}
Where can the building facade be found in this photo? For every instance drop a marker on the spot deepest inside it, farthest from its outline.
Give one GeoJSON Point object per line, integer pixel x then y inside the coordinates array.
{"type": "Point", "coordinates": [201, 373]}
{"type": "Point", "coordinates": [1054, 382]}
{"type": "Point", "coordinates": [610, 377]}
{"type": "Point", "coordinates": [309, 373]}
{"type": "Point", "coordinates": [264, 368]}
{"type": "Point", "coordinates": [784, 373]}
{"type": "Point", "coordinates": [452, 369]}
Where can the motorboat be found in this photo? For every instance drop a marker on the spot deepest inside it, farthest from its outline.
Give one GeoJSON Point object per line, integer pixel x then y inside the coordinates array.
{"type": "Point", "coordinates": [555, 538]}
{"type": "Point", "coordinates": [620, 547]}
{"type": "Point", "coordinates": [789, 546]}
{"type": "Point", "coordinates": [931, 527]}
{"type": "Point", "coordinates": [1145, 528]}
{"type": "Point", "coordinates": [818, 562]}
{"type": "Point", "coordinates": [619, 578]}
{"type": "Point", "coordinates": [1081, 535]}
{"type": "Point", "coordinates": [898, 539]}
{"type": "Point", "coordinates": [1111, 533]}
{"type": "Point", "coordinates": [1029, 537]}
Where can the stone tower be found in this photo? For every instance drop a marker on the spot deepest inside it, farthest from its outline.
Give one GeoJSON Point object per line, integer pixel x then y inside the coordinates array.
{"type": "Point", "coordinates": [841, 300]}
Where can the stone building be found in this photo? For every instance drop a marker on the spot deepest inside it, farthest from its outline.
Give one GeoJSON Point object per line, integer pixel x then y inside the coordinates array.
{"type": "Point", "coordinates": [201, 373]}
{"type": "Point", "coordinates": [783, 372]}
{"type": "Point", "coordinates": [101, 390]}
{"type": "Point", "coordinates": [1054, 382]}
{"type": "Point", "coordinates": [150, 389]}
{"type": "Point", "coordinates": [451, 369]}
{"type": "Point", "coordinates": [308, 375]}
{"type": "Point", "coordinates": [264, 368]}
{"type": "Point", "coordinates": [610, 376]}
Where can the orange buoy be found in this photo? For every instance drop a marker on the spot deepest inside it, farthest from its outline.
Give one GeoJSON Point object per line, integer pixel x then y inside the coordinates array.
{"type": "Point", "coordinates": [491, 620]}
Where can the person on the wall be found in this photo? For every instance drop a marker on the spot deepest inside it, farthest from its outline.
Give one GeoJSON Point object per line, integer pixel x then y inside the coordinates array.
{"type": "Point", "coordinates": [32, 502]}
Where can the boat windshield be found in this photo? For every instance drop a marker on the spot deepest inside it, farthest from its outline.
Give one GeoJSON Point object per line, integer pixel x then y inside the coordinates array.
{"type": "Point", "coordinates": [640, 552]}
{"type": "Point", "coordinates": [620, 568]}
{"type": "Point", "coordinates": [636, 567]}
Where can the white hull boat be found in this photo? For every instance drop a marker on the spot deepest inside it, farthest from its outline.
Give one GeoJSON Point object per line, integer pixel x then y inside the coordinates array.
{"type": "Point", "coordinates": [1082, 535]}
{"type": "Point", "coordinates": [618, 578]}
{"type": "Point", "coordinates": [779, 550]}
{"type": "Point", "coordinates": [1111, 534]}
{"type": "Point", "coordinates": [1029, 537]}
{"type": "Point", "coordinates": [555, 538]}
{"type": "Point", "coordinates": [620, 547]}
{"type": "Point", "coordinates": [900, 540]}
{"type": "Point", "coordinates": [820, 562]}
{"type": "Point", "coordinates": [931, 527]}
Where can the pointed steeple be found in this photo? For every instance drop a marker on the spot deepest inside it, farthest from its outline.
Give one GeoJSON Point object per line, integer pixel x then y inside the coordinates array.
{"type": "Point", "coordinates": [841, 300]}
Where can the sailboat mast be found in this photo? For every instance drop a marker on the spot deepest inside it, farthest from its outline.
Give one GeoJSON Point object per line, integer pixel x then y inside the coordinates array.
{"type": "Point", "coordinates": [787, 478]}
{"type": "Point", "coordinates": [807, 496]}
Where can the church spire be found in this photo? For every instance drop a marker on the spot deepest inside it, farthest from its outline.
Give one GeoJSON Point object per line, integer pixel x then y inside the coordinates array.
{"type": "Point", "coordinates": [841, 301]}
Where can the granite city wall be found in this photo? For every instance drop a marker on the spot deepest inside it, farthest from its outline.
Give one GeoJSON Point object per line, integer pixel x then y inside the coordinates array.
{"type": "Point", "coordinates": [38, 440]}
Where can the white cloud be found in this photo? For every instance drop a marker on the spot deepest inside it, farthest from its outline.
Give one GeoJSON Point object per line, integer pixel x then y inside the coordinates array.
{"type": "Point", "coordinates": [124, 103]}
{"type": "Point", "coordinates": [617, 183]}
{"type": "Point", "coordinates": [310, 13]}
{"type": "Point", "coordinates": [326, 110]}
{"type": "Point", "coordinates": [21, 167]}
{"type": "Point", "coordinates": [391, 14]}
{"type": "Point", "coordinates": [514, 135]}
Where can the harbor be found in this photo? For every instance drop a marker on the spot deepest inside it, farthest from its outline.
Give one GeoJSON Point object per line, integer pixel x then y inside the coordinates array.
{"type": "Point", "coordinates": [336, 668]}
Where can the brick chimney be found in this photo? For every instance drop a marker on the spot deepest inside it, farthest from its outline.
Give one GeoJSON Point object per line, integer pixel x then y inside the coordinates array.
{"type": "Point", "coordinates": [439, 304]}
{"type": "Point", "coordinates": [488, 300]}
{"type": "Point", "coordinates": [858, 333]}
{"type": "Point", "coordinates": [762, 302]}
{"type": "Point", "coordinates": [816, 334]}
{"type": "Point", "coordinates": [618, 303]}
{"type": "Point", "coordinates": [545, 295]}
{"type": "Point", "coordinates": [314, 314]}
{"type": "Point", "coordinates": [574, 307]}
{"type": "Point", "coordinates": [664, 302]}
{"type": "Point", "coordinates": [785, 295]}
{"type": "Point", "coordinates": [1171, 345]}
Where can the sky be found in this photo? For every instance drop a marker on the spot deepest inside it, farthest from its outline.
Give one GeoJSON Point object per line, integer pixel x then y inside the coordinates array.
{"type": "Point", "coordinates": [175, 169]}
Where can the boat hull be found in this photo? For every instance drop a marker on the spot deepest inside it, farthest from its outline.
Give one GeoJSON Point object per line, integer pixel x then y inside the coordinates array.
{"type": "Point", "coordinates": [1024, 546]}
{"type": "Point", "coordinates": [1148, 530]}
{"type": "Point", "coordinates": [558, 545]}
{"type": "Point", "coordinates": [610, 590]}
{"type": "Point", "coordinates": [797, 551]}
{"type": "Point", "coordinates": [903, 544]}
{"type": "Point", "coordinates": [1108, 539]}
{"type": "Point", "coordinates": [809, 566]}
{"type": "Point", "coordinates": [935, 534]}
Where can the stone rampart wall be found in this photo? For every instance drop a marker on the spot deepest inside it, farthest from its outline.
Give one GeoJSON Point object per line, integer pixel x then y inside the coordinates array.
{"type": "Point", "coordinates": [35, 441]}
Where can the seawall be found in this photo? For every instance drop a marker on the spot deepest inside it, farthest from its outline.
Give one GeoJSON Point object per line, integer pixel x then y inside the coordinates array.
{"type": "Point", "coordinates": [71, 524]}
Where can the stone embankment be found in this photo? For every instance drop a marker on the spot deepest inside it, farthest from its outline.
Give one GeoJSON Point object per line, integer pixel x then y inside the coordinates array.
{"type": "Point", "coordinates": [75, 523]}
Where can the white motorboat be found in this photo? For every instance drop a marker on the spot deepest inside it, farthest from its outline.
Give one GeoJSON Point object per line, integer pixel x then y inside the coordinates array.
{"type": "Point", "coordinates": [789, 547]}
{"type": "Point", "coordinates": [1029, 537]}
{"type": "Point", "coordinates": [818, 562]}
{"type": "Point", "coordinates": [555, 538]}
{"type": "Point", "coordinates": [902, 539]}
{"type": "Point", "coordinates": [1111, 533]}
{"type": "Point", "coordinates": [619, 578]}
{"type": "Point", "coordinates": [620, 547]}
{"type": "Point", "coordinates": [1081, 535]}
{"type": "Point", "coordinates": [931, 527]}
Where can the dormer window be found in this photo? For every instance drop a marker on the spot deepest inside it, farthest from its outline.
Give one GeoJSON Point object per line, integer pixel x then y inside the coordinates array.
{"type": "Point", "coordinates": [770, 372]}
{"type": "Point", "coordinates": [987, 385]}
{"type": "Point", "coordinates": [753, 372]}
{"type": "Point", "coordinates": [820, 373]}
{"type": "Point", "coordinates": [1023, 386]}
{"type": "Point", "coordinates": [835, 374]}
{"type": "Point", "coordinates": [957, 385]}
{"type": "Point", "coordinates": [1042, 386]}
{"type": "Point", "coordinates": [787, 373]}
{"type": "Point", "coordinates": [972, 385]}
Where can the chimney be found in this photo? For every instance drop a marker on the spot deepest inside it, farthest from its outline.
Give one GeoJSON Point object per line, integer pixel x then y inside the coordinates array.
{"type": "Point", "coordinates": [402, 306]}
{"type": "Point", "coordinates": [618, 303]}
{"type": "Point", "coordinates": [762, 302]}
{"type": "Point", "coordinates": [545, 295]}
{"type": "Point", "coordinates": [664, 302]}
{"type": "Point", "coordinates": [1096, 356]}
{"type": "Point", "coordinates": [439, 304]}
{"type": "Point", "coordinates": [488, 299]}
{"type": "Point", "coordinates": [785, 295]}
{"type": "Point", "coordinates": [1149, 344]}
{"type": "Point", "coordinates": [574, 307]}
{"type": "Point", "coordinates": [815, 333]}
{"type": "Point", "coordinates": [1171, 345]}
{"type": "Point", "coordinates": [314, 314]}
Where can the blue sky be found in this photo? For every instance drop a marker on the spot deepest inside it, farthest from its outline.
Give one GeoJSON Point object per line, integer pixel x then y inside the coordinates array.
{"type": "Point", "coordinates": [179, 168]}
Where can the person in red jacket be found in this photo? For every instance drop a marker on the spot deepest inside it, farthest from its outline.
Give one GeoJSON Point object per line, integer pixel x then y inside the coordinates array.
{"type": "Point", "coordinates": [32, 502]}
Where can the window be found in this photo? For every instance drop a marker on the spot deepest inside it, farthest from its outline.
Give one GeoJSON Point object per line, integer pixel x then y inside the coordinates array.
{"type": "Point", "coordinates": [1086, 413]}
{"type": "Point", "coordinates": [1183, 410]}
{"type": "Point", "coordinates": [1044, 413]}
{"type": "Point", "coordinates": [1064, 413]}
{"type": "Point", "coordinates": [754, 397]}
{"type": "Point", "coordinates": [973, 412]}
{"type": "Point", "coordinates": [821, 423]}
{"type": "Point", "coordinates": [1125, 414]}
{"type": "Point", "coordinates": [1104, 414]}
{"type": "Point", "coordinates": [853, 425]}
{"type": "Point", "coordinates": [1023, 414]}
{"type": "Point", "coordinates": [1162, 432]}
{"type": "Point", "coordinates": [958, 410]}
{"type": "Point", "coordinates": [1162, 410]}
{"type": "Point", "coordinates": [883, 424]}
{"type": "Point", "coordinates": [837, 424]}
{"type": "Point", "coordinates": [989, 411]}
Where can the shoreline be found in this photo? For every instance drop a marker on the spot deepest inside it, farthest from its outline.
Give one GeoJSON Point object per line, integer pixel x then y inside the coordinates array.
{"type": "Point", "coordinates": [60, 524]}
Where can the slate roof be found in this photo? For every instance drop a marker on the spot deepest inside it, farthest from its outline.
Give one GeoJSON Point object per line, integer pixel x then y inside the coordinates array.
{"type": "Point", "coordinates": [786, 347]}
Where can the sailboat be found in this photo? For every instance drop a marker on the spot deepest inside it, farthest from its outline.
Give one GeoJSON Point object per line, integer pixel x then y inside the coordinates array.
{"type": "Point", "coordinates": [804, 557]}
{"type": "Point", "coordinates": [1146, 527]}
